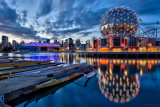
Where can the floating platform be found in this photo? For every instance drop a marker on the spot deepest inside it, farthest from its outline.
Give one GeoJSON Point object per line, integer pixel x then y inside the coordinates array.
{"type": "Point", "coordinates": [34, 80]}
{"type": "Point", "coordinates": [120, 54]}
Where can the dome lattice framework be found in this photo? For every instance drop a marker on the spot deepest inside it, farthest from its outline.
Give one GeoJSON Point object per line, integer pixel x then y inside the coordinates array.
{"type": "Point", "coordinates": [119, 20]}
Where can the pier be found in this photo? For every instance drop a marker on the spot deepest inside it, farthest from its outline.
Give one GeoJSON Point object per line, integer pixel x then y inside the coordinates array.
{"type": "Point", "coordinates": [120, 54]}
{"type": "Point", "coordinates": [28, 78]}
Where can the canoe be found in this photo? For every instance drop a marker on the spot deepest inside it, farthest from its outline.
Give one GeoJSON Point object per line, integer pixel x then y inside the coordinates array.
{"type": "Point", "coordinates": [53, 82]}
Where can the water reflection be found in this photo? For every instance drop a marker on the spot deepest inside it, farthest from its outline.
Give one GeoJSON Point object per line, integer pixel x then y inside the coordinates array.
{"type": "Point", "coordinates": [119, 88]}
{"type": "Point", "coordinates": [119, 78]}
{"type": "Point", "coordinates": [128, 81]}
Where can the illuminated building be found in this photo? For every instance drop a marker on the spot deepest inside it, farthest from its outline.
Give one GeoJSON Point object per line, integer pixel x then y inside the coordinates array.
{"type": "Point", "coordinates": [68, 45]}
{"type": "Point", "coordinates": [78, 42]}
{"type": "Point", "coordinates": [37, 46]}
{"type": "Point", "coordinates": [119, 29]}
{"type": "Point", "coordinates": [4, 39]}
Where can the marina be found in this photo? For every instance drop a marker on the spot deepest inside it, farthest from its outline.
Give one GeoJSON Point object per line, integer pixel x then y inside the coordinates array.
{"type": "Point", "coordinates": [79, 53]}
{"type": "Point", "coordinates": [39, 75]}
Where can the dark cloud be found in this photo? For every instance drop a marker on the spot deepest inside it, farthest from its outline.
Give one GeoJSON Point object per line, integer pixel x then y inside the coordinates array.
{"type": "Point", "coordinates": [64, 18]}
{"type": "Point", "coordinates": [24, 17]}
{"type": "Point", "coordinates": [148, 7]}
{"type": "Point", "coordinates": [85, 33]}
{"type": "Point", "coordinates": [9, 22]}
{"type": "Point", "coordinates": [73, 17]}
{"type": "Point", "coordinates": [44, 8]}
{"type": "Point", "coordinates": [84, 15]}
{"type": "Point", "coordinates": [7, 14]}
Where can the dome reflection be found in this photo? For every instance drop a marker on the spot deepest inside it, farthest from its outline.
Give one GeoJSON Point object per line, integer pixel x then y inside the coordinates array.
{"type": "Point", "coordinates": [119, 88]}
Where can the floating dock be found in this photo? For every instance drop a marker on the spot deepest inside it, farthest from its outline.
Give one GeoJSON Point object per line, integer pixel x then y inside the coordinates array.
{"type": "Point", "coordinates": [24, 80]}
{"type": "Point", "coordinates": [120, 54]}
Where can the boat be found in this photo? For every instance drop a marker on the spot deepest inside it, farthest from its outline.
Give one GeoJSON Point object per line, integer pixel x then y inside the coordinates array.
{"type": "Point", "coordinates": [56, 81]}
{"type": "Point", "coordinates": [90, 75]}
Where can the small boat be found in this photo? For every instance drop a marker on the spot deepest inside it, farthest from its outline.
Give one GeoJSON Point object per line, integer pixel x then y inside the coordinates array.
{"type": "Point", "coordinates": [53, 82]}
{"type": "Point", "coordinates": [90, 75]}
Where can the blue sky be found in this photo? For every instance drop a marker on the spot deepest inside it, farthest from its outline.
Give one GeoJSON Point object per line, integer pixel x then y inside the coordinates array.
{"type": "Point", "coordinates": [61, 19]}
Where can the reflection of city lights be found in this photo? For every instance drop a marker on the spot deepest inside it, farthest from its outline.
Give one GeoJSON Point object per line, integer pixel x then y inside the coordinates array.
{"type": "Point", "coordinates": [121, 89]}
{"type": "Point", "coordinates": [125, 72]}
{"type": "Point", "coordinates": [141, 72]}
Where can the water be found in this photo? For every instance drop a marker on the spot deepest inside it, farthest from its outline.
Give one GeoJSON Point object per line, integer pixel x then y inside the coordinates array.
{"type": "Point", "coordinates": [119, 83]}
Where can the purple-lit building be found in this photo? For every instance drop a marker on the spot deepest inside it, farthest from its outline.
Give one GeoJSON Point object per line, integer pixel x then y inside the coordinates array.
{"type": "Point", "coordinates": [39, 47]}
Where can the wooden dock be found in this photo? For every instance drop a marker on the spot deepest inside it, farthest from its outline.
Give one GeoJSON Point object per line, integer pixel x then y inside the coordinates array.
{"type": "Point", "coordinates": [27, 83]}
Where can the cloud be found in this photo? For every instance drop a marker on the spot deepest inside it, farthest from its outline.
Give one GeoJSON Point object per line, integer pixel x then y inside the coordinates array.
{"type": "Point", "coordinates": [84, 34]}
{"type": "Point", "coordinates": [45, 8]}
{"type": "Point", "coordinates": [64, 18]}
{"type": "Point", "coordinates": [73, 17]}
{"type": "Point", "coordinates": [9, 22]}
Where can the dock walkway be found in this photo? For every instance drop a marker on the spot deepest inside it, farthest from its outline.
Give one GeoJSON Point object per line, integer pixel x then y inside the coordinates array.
{"type": "Point", "coordinates": [24, 84]}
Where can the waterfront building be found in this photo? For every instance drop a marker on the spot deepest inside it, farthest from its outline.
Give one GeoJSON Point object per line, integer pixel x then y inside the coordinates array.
{"type": "Point", "coordinates": [69, 45]}
{"type": "Point", "coordinates": [22, 42]}
{"type": "Point", "coordinates": [78, 42]}
{"type": "Point", "coordinates": [5, 45]}
{"type": "Point", "coordinates": [40, 41]}
{"type": "Point", "coordinates": [82, 47]}
{"type": "Point", "coordinates": [41, 46]}
{"type": "Point", "coordinates": [4, 40]}
{"type": "Point", "coordinates": [48, 41]}
{"type": "Point", "coordinates": [55, 41]}
{"type": "Point", "coordinates": [14, 43]}
{"type": "Point", "coordinates": [119, 29]}
{"type": "Point", "coordinates": [89, 46]}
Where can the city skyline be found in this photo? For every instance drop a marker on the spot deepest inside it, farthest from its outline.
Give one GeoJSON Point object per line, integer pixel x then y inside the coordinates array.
{"type": "Point", "coordinates": [74, 19]}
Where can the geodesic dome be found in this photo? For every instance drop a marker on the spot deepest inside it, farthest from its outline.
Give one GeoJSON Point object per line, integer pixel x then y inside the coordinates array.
{"type": "Point", "coordinates": [119, 20]}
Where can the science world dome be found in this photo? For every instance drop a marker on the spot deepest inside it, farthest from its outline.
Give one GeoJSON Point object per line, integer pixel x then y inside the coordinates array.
{"type": "Point", "coordinates": [119, 20]}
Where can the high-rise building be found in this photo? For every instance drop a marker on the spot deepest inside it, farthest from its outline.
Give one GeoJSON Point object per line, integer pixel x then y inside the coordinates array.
{"type": "Point", "coordinates": [62, 42]}
{"type": "Point", "coordinates": [77, 42]}
{"type": "Point", "coordinates": [40, 41]}
{"type": "Point", "coordinates": [88, 43]}
{"type": "Point", "coordinates": [68, 45]}
{"type": "Point", "coordinates": [22, 42]}
{"type": "Point", "coordinates": [14, 43]}
{"type": "Point", "coordinates": [55, 41]}
{"type": "Point", "coordinates": [4, 39]}
{"type": "Point", "coordinates": [48, 40]}
{"type": "Point", "coordinates": [69, 41]}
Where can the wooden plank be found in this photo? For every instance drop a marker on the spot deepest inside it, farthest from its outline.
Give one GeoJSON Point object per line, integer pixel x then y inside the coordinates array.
{"type": "Point", "coordinates": [53, 82]}
{"type": "Point", "coordinates": [23, 63]}
{"type": "Point", "coordinates": [51, 72]}
{"type": "Point", "coordinates": [8, 60]}
{"type": "Point", "coordinates": [12, 88]}
{"type": "Point", "coordinates": [23, 70]}
{"type": "Point", "coordinates": [15, 87]}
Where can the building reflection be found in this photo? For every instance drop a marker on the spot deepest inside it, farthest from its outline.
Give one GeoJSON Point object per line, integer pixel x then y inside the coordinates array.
{"type": "Point", "coordinates": [127, 66]}
{"type": "Point", "coordinates": [118, 87]}
{"type": "Point", "coordinates": [119, 78]}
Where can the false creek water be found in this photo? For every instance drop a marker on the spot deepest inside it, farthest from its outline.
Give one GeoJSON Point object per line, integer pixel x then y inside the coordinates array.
{"type": "Point", "coordinates": [119, 83]}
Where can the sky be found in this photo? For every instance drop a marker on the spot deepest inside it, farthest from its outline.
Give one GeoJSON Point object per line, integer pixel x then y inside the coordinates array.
{"type": "Point", "coordinates": [31, 20]}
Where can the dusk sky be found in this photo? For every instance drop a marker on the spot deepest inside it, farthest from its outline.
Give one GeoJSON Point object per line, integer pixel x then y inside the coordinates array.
{"type": "Point", "coordinates": [61, 19]}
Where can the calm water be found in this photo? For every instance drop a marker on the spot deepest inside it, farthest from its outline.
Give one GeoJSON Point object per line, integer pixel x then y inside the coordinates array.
{"type": "Point", "coordinates": [119, 83]}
